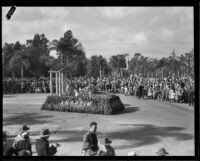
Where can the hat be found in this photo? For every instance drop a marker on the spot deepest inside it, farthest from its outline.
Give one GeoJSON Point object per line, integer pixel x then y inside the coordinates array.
{"type": "Point", "coordinates": [162, 151]}
{"type": "Point", "coordinates": [93, 123]}
{"type": "Point", "coordinates": [105, 141]}
{"type": "Point", "coordinates": [44, 133]}
{"type": "Point", "coordinates": [25, 128]}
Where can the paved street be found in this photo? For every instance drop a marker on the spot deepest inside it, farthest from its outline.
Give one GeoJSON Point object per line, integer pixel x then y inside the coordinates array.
{"type": "Point", "coordinates": [144, 126]}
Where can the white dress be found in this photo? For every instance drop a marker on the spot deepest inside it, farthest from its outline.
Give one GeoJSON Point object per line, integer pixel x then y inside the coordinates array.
{"type": "Point", "coordinates": [171, 94]}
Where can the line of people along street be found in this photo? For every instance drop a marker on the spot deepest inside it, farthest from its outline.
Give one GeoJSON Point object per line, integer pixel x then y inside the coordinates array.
{"type": "Point", "coordinates": [179, 89]}
{"type": "Point", "coordinates": [91, 146]}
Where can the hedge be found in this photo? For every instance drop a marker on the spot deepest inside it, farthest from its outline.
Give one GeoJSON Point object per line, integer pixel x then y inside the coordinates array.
{"type": "Point", "coordinates": [95, 104]}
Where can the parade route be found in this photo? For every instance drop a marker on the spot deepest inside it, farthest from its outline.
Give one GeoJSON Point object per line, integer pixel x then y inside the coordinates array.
{"type": "Point", "coordinates": [144, 126]}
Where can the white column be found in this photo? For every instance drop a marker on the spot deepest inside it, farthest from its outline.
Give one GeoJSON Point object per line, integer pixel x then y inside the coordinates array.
{"type": "Point", "coordinates": [59, 80]}
{"type": "Point", "coordinates": [62, 83]}
{"type": "Point", "coordinates": [51, 85]}
{"type": "Point", "coordinates": [56, 83]}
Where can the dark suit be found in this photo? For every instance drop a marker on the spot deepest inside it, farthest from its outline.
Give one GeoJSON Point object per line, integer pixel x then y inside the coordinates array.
{"type": "Point", "coordinates": [42, 148]}
{"type": "Point", "coordinates": [90, 142]}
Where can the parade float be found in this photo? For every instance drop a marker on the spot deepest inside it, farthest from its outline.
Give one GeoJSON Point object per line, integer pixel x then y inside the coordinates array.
{"type": "Point", "coordinates": [89, 100]}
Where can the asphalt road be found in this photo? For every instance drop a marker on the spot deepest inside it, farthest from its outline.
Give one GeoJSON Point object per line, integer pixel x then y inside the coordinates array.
{"type": "Point", "coordinates": [144, 126]}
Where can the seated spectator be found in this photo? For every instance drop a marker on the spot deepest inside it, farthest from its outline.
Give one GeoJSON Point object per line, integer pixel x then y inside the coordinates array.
{"type": "Point", "coordinates": [42, 144]}
{"type": "Point", "coordinates": [24, 145]}
{"type": "Point", "coordinates": [19, 137]}
{"type": "Point", "coordinates": [106, 149]}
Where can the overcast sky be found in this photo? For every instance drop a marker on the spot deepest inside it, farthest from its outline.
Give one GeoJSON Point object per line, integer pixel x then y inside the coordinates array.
{"type": "Point", "coordinates": [107, 31]}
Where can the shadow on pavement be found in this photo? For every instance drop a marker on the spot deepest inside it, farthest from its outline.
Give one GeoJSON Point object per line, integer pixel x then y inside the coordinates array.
{"type": "Point", "coordinates": [135, 134]}
{"type": "Point", "coordinates": [145, 134]}
{"type": "Point", "coordinates": [128, 110]}
{"type": "Point", "coordinates": [26, 118]}
{"type": "Point", "coordinates": [70, 136]}
{"type": "Point", "coordinates": [9, 96]}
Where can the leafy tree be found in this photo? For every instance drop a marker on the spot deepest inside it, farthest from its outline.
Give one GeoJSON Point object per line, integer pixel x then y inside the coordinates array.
{"type": "Point", "coordinates": [7, 53]}
{"type": "Point", "coordinates": [19, 61]}
{"type": "Point", "coordinates": [70, 53]}
{"type": "Point", "coordinates": [15, 59]}
{"type": "Point", "coordinates": [40, 59]}
{"type": "Point", "coordinates": [117, 62]}
{"type": "Point", "coordinates": [96, 65]}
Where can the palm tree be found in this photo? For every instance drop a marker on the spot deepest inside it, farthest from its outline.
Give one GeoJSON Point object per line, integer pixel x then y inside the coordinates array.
{"type": "Point", "coordinates": [20, 61]}
{"type": "Point", "coordinates": [7, 53]}
{"type": "Point", "coordinates": [137, 58]}
{"type": "Point", "coordinates": [68, 49]}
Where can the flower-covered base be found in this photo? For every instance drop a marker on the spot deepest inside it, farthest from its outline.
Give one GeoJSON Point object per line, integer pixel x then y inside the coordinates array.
{"type": "Point", "coordinates": [94, 104]}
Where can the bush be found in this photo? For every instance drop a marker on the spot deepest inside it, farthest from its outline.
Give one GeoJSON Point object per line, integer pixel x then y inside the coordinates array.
{"type": "Point", "coordinates": [95, 104]}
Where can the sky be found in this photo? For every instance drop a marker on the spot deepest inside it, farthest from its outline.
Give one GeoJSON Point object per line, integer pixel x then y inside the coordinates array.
{"type": "Point", "coordinates": [152, 31]}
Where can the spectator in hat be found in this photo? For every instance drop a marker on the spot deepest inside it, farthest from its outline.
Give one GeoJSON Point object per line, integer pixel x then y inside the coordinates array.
{"type": "Point", "coordinates": [90, 141]}
{"type": "Point", "coordinates": [42, 144]}
{"type": "Point", "coordinates": [106, 149]}
{"type": "Point", "coordinates": [24, 145]}
{"type": "Point", "coordinates": [19, 137]}
{"type": "Point", "coordinates": [162, 152]}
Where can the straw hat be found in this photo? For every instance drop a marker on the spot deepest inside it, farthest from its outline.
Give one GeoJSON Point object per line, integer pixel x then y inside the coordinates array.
{"type": "Point", "coordinates": [25, 128]}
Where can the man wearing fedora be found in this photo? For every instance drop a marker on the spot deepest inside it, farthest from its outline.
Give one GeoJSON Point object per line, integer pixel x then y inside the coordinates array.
{"type": "Point", "coordinates": [90, 142]}
{"type": "Point", "coordinates": [42, 144]}
{"type": "Point", "coordinates": [106, 149]}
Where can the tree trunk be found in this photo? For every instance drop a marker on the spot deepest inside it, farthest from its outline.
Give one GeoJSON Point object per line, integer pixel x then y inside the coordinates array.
{"type": "Point", "coordinates": [22, 75]}
{"type": "Point", "coordinates": [100, 74]}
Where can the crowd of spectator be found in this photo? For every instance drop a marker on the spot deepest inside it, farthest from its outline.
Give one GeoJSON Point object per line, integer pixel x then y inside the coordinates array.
{"type": "Point", "coordinates": [25, 85]}
{"type": "Point", "coordinates": [174, 88]}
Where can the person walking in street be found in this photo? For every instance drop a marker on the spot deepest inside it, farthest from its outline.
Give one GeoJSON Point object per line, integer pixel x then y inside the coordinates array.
{"type": "Point", "coordinates": [90, 141]}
